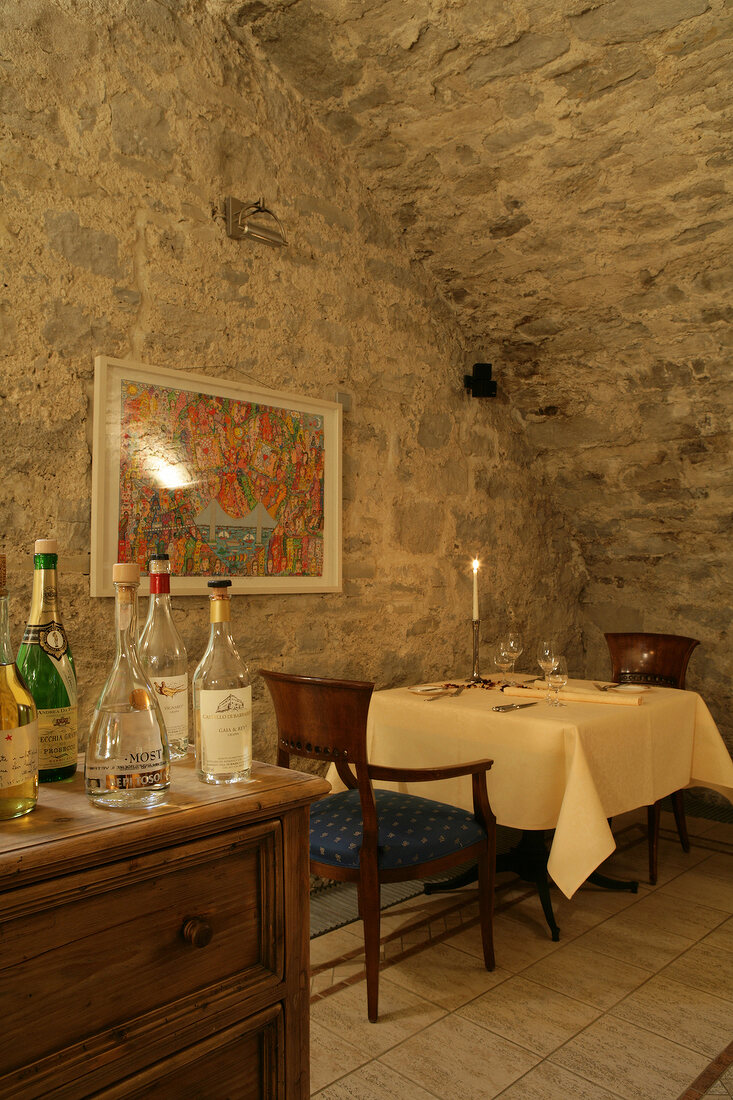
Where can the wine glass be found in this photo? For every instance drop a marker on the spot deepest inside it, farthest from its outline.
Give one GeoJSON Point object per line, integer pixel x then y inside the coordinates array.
{"type": "Point", "coordinates": [513, 647]}
{"type": "Point", "coordinates": [546, 659]}
{"type": "Point", "coordinates": [558, 678]}
{"type": "Point", "coordinates": [502, 659]}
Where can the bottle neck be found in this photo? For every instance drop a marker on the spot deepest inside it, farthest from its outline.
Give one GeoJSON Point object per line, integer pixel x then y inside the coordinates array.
{"type": "Point", "coordinates": [7, 657]}
{"type": "Point", "coordinates": [221, 631]}
{"type": "Point", "coordinates": [44, 600]}
{"type": "Point", "coordinates": [126, 619]}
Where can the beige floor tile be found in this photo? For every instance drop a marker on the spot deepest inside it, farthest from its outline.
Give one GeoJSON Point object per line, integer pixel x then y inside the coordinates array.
{"type": "Point", "coordinates": [703, 889]}
{"type": "Point", "coordinates": [671, 861]}
{"type": "Point", "coordinates": [588, 907]}
{"type": "Point", "coordinates": [720, 831]}
{"type": "Point", "coordinates": [548, 1082]}
{"type": "Point", "coordinates": [455, 1058]}
{"type": "Point", "coordinates": [705, 966]}
{"type": "Point", "coordinates": [420, 908]}
{"type": "Point", "coordinates": [375, 1081]}
{"type": "Point", "coordinates": [597, 980]}
{"type": "Point", "coordinates": [530, 1015]}
{"type": "Point", "coordinates": [628, 939]}
{"type": "Point", "coordinates": [516, 946]}
{"type": "Point", "coordinates": [331, 946]}
{"type": "Point", "coordinates": [630, 1061]}
{"type": "Point", "coordinates": [718, 865]}
{"type": "Point", "coordinates": [687, 1016]}
{"type": "Point", "coordinates": [722, 936]}
{"type": "Point", "coordinates": [401, 1014]}
{"type": "Point", "coordinates": [444, 976]}
{"type": "Point", "coordinates": [668, 913]}
{"type": "Point", "coordinates": [331, 1057]}
{"type": "Point", "coordinates": [324, 979]}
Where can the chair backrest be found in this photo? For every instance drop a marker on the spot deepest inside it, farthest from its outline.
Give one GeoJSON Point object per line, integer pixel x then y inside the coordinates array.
{"type": "Point", "coordinates": [320, 718]}
{"type": "Point", "coordinates": [650, 658]}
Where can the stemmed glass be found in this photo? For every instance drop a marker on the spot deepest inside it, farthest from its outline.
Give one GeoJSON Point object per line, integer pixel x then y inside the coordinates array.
{"type": "Point", "coordinates": [558, 678]}
{"type": "Point", "coordinates": [512, 646]}
{"type": "Point", "coordinates": [546, 659]}
{"type": "Point", "coordinates": [502, 659]}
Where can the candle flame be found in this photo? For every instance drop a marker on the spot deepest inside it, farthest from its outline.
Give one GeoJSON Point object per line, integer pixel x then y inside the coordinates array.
{"type": "Point", "coordinates": [475, 565]}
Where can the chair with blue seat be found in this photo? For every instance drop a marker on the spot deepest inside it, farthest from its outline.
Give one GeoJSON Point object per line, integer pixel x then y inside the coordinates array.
{"type": "Point", "coordinates": [370, 836]}
{"type": "Point", "coordinates": [661, 659]}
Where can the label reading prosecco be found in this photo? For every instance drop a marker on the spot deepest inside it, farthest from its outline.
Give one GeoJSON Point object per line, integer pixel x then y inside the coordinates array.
{"type": "Point", "coordinates": [57, 743]}
{"type": "Point", "coordinates": [18, 754]}
{"type": "Point", "coordinates": [226, 730]}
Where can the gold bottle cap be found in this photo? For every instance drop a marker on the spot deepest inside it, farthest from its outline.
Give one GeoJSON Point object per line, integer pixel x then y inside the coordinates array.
{"type": "Point", "coordinates": [124, 572]}
{"type": "Point", "coordinates": [46, 546]}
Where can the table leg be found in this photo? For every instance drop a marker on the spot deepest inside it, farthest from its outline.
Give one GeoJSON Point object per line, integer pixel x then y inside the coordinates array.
{"type": "Point", "coordinates": [613, 883]}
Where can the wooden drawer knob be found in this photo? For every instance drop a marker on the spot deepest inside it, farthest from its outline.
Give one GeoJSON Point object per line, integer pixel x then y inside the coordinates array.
{"type": "Point", "coordinates": [197, 931]}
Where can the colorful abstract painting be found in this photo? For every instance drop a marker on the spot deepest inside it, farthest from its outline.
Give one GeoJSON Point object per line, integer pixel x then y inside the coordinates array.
{"type": "Point", "coordinates": [223, 486]}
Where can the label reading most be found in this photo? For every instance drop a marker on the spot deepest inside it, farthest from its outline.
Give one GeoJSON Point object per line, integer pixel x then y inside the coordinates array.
{"type": "Point", "coordinates": [172, 695]}
{"type": "Point", "coordinates": [141, 764]}
{"type": "Point", "coordinates": [57, 738]}
{"type": "Point", "coordinates": [18, 754]}
{"type": "Point", "coordinates": [226, 730]}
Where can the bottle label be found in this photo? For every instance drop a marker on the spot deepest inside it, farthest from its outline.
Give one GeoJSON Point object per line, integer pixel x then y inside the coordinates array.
{"type": "Point", "coordinates": [226, 730]}
{"type": "Point", "coordinates": [172, 695]}
{"type": "Point", "coordinates": [18, 754]}
{"type": "Point", "coordinates": [57, 743]}
{"type": "Point", "coordinates": [143, 765]}
{"type": "Point", "coordinates": [51, 637]}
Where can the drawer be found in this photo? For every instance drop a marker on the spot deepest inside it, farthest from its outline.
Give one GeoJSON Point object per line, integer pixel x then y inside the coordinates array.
{"type": "Point", "coordinates": [244, 1062]}
{"type": "Point", "coordinates": [94, 950]}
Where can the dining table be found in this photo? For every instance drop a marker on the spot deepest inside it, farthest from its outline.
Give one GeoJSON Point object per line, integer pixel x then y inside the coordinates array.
{"type": "Point", "coordinates": [566, 769]}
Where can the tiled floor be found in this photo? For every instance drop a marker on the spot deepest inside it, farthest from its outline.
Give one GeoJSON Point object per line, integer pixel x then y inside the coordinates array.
{"type": "Point", "coordinates": [635, 1001]}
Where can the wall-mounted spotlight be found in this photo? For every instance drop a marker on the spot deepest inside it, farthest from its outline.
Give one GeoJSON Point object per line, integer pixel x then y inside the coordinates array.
{"type": "Point", "coordinates": [253, 220]}
{"type": "Point", "coordinates": [479, 383]}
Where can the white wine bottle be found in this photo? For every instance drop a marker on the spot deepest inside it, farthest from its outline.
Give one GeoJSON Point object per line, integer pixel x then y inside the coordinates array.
{"type": "Point", "coordinates": [47, 666]}
{"type": "Point", "coordinates": [163, 657]}
{"type": "Point", "coordinates": [18, 726]}
{"type": "Point", "coordinates": [222, 700]}
{"type": "Point", "coordinates": [127, 759]}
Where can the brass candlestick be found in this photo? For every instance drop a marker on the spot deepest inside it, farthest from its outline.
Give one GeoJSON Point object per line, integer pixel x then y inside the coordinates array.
{"type": "Point", "coordinates": [476, 675]}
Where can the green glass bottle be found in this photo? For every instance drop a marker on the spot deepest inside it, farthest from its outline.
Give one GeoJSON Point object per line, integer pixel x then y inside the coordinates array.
{"type": "Point", "coordinates": [46, 665]}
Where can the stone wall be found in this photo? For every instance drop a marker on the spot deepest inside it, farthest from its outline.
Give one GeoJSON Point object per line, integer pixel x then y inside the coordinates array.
{"type": "Point", "coordinates": [125, 126]}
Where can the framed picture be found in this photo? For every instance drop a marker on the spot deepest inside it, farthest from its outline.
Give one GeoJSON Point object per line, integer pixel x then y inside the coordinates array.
{"type": "Point", "coordinates": [228, 479]}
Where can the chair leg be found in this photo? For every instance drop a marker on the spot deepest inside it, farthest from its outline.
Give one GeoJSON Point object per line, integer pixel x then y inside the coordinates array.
{"type": "Point", "coordinates": [369, 910]}
{"type": "Point", "coordinates": [486, 879]}
{"type": "Point", "coordinates": [678, 806]}
{"type": "Point", "coordinates": [652, 818]}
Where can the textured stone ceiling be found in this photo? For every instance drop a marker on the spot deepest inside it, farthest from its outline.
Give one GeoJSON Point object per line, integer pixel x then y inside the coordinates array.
{"type": "Point", "coordinates": [555, 163]}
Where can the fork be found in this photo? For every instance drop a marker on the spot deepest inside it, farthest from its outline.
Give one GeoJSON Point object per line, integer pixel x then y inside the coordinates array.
{"type": "Point", "coordinates": [604, 687]}
{"type": "Point", "coordinates": [447, 694]}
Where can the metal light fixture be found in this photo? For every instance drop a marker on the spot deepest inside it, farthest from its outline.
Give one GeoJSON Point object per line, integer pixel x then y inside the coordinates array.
{"type": "Point", "coordinates": [255, 221]}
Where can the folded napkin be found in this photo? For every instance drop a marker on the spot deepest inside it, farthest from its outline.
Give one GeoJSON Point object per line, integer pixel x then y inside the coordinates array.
{"type": "Point", "coordinates": [576, 695]}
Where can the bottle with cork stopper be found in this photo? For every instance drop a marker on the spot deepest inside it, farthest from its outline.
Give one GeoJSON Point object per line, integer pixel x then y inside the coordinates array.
{"type": "Point", "coordinates": [127, 758]}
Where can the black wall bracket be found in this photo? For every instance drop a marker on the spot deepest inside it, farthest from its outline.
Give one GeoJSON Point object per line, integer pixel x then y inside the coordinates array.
{"type": "Point", "coordinates": [479, 383]}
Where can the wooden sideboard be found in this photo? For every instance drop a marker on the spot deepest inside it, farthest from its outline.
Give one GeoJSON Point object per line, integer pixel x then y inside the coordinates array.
{"type": "Point", "coordinates": [160, 952]}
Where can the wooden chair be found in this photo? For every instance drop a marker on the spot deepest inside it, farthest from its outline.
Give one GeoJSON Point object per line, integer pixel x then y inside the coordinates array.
{"type": "Point", "coordinates": [654, 659]}
{"type": "Point", "coordinates": [370, 836]}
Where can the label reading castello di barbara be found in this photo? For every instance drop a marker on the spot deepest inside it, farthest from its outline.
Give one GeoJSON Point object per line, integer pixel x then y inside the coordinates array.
{"type": "Point", "coordinates": [226, 730]}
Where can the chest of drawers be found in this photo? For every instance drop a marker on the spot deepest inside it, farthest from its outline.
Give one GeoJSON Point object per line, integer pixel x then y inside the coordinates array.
{"type": "Point", "coordinates": [158, 952]}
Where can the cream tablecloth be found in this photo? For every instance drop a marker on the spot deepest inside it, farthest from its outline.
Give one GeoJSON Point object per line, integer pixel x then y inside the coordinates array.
{"type": "Point", "coordinates": [567, 769]}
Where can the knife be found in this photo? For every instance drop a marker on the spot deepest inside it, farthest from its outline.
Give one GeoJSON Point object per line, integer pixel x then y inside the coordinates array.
{"type": "Point", "coordinates": [514, 706]}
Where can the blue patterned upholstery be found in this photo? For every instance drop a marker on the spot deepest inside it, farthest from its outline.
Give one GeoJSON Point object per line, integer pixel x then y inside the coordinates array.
{"type": "Point", "coordinates": [411, 829]}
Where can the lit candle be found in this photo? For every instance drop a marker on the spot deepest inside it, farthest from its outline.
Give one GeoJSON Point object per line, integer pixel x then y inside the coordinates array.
{"type": "Point", "coordinates": [475, 589]}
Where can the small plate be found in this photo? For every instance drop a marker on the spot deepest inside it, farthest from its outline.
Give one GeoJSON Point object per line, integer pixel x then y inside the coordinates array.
{"type": "Point", "coordinates": [631, 689]}
{"type": "Point", "coordinates": [429, 690]}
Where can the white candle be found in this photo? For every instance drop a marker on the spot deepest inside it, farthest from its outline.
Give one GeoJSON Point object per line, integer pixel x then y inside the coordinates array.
{"type": "Point", "coordinates": [475, 589]}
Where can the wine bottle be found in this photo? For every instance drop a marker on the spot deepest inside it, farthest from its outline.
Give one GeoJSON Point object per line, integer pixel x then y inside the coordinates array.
{"type": "Point", "coordinates": [222, 700]}
{"type": "Point", "coordinates": [163, 657]}
{"type": "Point", "coordinates": [47, 666]}
{"type": "Point", "coordinates": [127, 759]}
{"type": "Point", "coordinates": [18, 726]}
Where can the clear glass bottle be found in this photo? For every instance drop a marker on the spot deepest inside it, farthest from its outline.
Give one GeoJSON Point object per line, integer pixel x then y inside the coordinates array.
{"type": "Point", "coordinates": [47, 666]}
{"type": "Point", "coordinates": [222, 700]}
{"type": "Point", "coordinates": [127, 758]}
{"type": "Point", "coordinates": [164, 659]}
{"type": "Point", "coordinates": [18, 726]}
